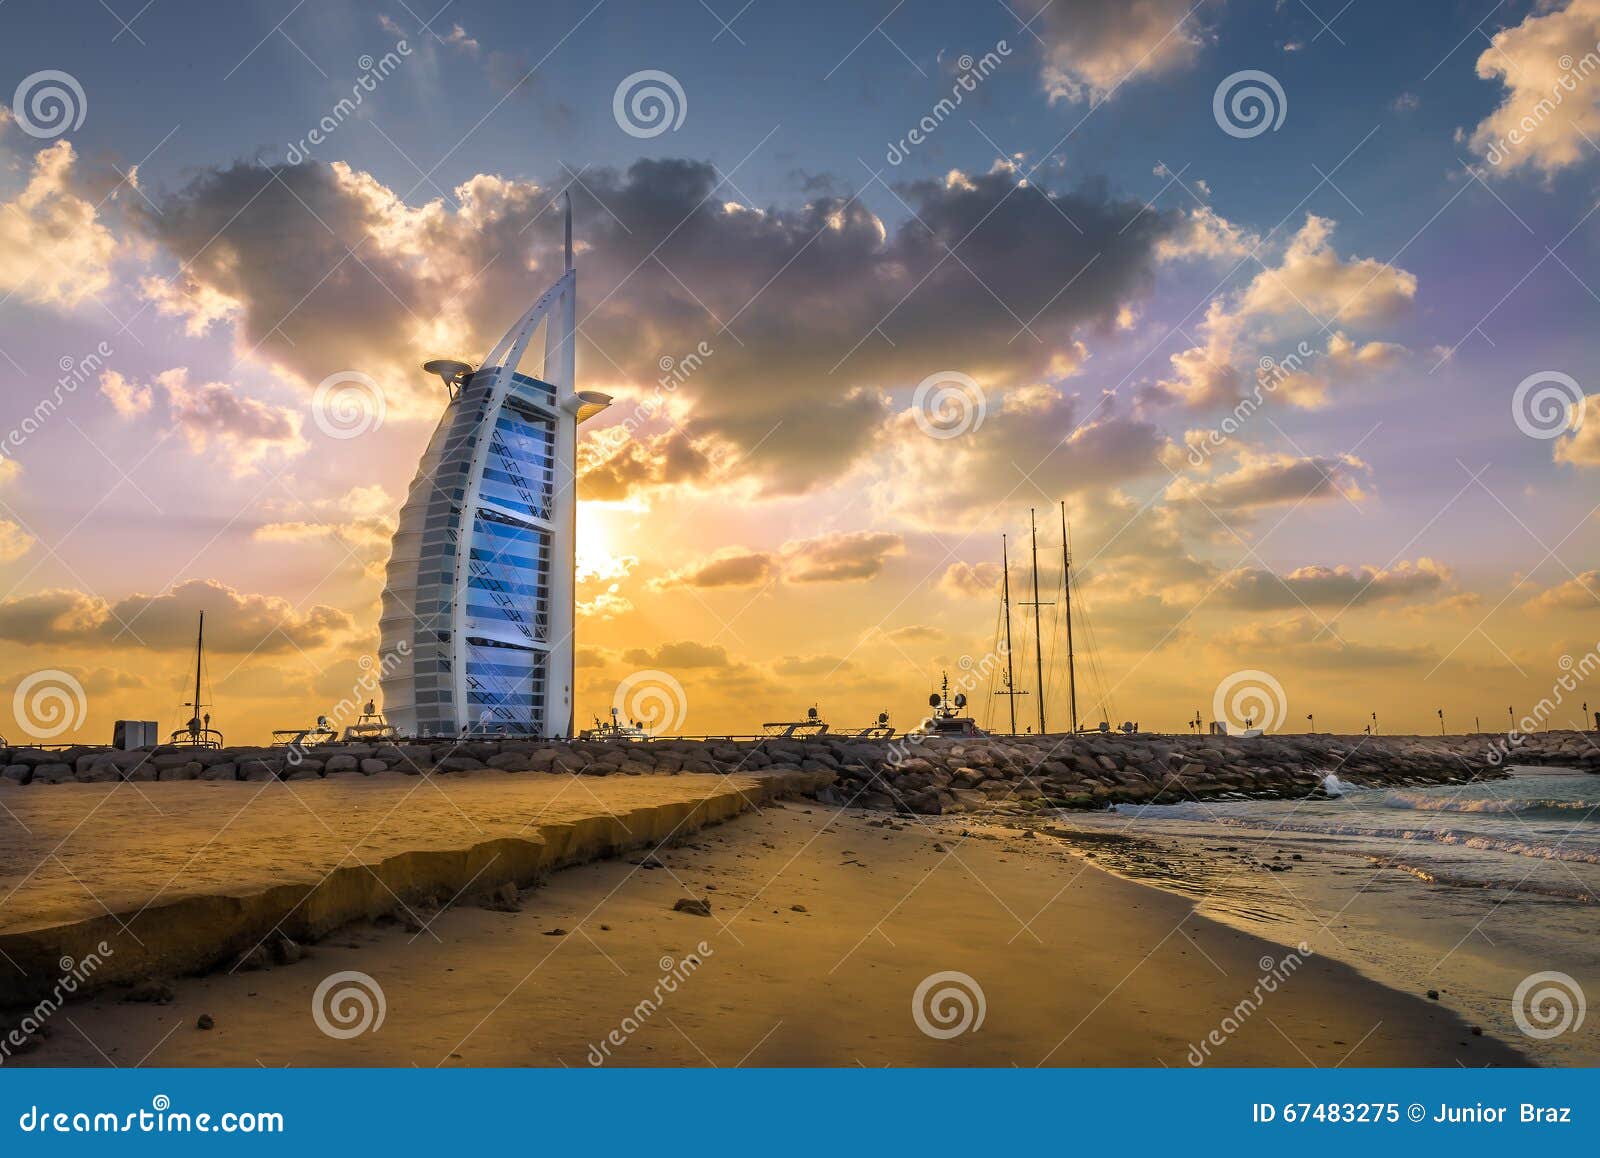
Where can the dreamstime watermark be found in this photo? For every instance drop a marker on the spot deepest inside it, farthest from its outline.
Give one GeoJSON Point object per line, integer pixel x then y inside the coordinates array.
{"type": "Point", "coordinates": [648, 103]}
{"type": "Point", "coordinates": [1548, 1004]}
{"type": "Point", "coordinates": [353, 706]}
{"type": "Point", "coordinates": [48, 103]}
{"type": "Point", "coordinates": [74, 974]}
{"type": "Point", "coordinates": [948, 404]}
{"type": "Point", "coordinates": [348, 1004]}
{"type": "Point", "coordinates": [1249, 102]}
{"type": "Point", "coordinates": [1573, 673]}
{"type": "Point", "coordinates": [348, 404]}
{"type": "Point", "coordinates": [654, 700]}
{"type": "Point", "coordinates": [948, 1004]}
{"type": "Point", "coordinates": [1271, 373]}
{"type": "Point", "coordinates": [48, 703]}
{"type": "Point", "coordinates": [1547, 404]}
{"type": "Point", "coordinates": [971, 74]}
{"type": "Point", "coordinates": [373, 72]}
{"type": "Point", "coordinates": [1273, 974]}
{"type": "Point", "coordinates": [74, 373]}
{"type": "Point", "coordinates": [673, 974]}
{"type": "Point", "coordinates": [1572, 71]}
{"type": "Point", "coordinates": [1250, 701]}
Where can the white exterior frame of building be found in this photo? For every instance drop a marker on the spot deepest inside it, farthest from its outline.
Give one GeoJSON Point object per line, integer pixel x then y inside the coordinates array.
{"type": "Point", "coordinates": [481, 580]}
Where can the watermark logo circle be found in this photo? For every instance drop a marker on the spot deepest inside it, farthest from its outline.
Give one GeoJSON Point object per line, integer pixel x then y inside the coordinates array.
{"type": "Point", "coordinates": [648, 103]}
{"type": "Point", "coordinates": [1250, 699]}
{"type": "Point", "coordinates": [48, 703]}
{"type": "Point", "coordinates": [948, 1004]}
{"type": "Point", "coordinates": [655, 699]}
{"type": "Point", "coordinates": [948, 404]}
{"type": "Point", "coordinates": [348, 404]}
{"type": "Point", "coordinates": [348, 1004]}
{"type": "Point", "coordinates": [48, 103]}
{"type": "Point", "coordinates": [1547, 404]}
{"type": "Point", "coordinates": [1548, 1004]}
{"type": "Point", "coordinates": [1249, 102]}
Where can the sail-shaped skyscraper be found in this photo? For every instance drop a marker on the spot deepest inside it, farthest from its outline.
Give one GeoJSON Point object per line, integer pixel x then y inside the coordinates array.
{"type": "Point", "coordinates": [478, 606]}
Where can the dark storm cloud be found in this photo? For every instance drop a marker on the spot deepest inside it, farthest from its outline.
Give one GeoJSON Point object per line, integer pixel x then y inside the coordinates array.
{"type": "Point", "coordinates": [811, 312]}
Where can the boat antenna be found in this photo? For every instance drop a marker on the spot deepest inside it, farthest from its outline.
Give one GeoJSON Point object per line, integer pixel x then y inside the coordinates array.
{"type": "Point", "coordinates": [567, 196]}
{"type": "Point", "coordinates": [1066, 587]}
{"type": "Point", "coordinates": [1038, 637]}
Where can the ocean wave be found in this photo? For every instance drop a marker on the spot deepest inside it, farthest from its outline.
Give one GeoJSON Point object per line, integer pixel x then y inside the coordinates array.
{"type": "Point", "coordinates": [1513, 846]}
{"type": "Point", "coordinates": [1553, 809]}
{"type": "Point", "coordinates": [1434, 875]}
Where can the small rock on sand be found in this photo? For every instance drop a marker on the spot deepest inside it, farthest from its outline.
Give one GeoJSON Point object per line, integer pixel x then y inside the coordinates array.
{"type": "Point", "coordinates": [798, 909]}
{"type": "Point", "coordinates": [558, 931]}
{"type": "Point", "coordinates": [205, 1021]}
{"type": "Point", "coordinates": [700, 908]}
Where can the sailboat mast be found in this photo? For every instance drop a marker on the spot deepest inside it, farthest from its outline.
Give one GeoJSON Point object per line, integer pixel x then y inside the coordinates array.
{"type": "Point", "coordinates": [1038, 636]}
{"type": "Point", "coordinates": [1005, 599]}
{"type": "Point", "coordinates": [199, 650]}
{"type": "Point", "coordinates": [1066, 586]}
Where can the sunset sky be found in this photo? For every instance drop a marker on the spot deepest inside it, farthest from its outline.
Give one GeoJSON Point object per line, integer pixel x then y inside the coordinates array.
{"type": "Point", "coordinates": [1059, 287]}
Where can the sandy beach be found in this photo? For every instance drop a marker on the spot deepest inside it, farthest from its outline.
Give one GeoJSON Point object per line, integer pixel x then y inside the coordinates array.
{"type": "Point", "coordinates": [822, 926]}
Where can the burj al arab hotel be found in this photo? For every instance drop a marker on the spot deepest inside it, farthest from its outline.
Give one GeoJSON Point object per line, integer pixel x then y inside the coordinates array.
{"type": "Point", "coordinates": [478, 606]}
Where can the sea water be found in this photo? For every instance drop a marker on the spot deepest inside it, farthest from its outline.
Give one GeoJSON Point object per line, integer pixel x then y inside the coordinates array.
{"type": "Point", "coordinates": [1467, 890]}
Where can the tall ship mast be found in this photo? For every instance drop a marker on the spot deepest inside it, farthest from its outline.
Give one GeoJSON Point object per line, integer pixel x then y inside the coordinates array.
{"type": "Point", "coordinates": [478, 607]}
{"type": "Point", "coordinates": [1066, 595]}
{"type": "Point", "coordinates": [198, 732]}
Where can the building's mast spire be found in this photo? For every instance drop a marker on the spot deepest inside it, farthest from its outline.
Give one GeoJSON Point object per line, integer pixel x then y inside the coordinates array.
{"type": "Point", "coordinates": [567, 196]}
{"type": "Point", "coordinates": [1066, 585]}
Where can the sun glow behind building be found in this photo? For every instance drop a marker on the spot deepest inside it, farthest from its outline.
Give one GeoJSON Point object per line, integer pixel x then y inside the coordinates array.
{"type": "Point", "coordinates": [478, 607]}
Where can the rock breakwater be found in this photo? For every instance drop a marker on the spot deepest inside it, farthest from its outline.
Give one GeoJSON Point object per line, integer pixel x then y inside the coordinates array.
{"type": "Point", "coordinates": [909, 774]}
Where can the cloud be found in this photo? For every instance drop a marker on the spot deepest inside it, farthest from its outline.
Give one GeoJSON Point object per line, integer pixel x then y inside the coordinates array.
{"type": "Point", "coordinates": [840, 557]}
{"type": "Point", "coordinates": [1582, 446]}
{"type": "Point", "coordinates": [1549, 66]}
{"type": "Point", "coordinates": [914, 633]}
{"type": "Point", "coordinates": [236, 622]}
{"type": "Point", "coordinates": [1206, 235]}
{"type": "Point", "coordinates": [1580, 593]}
{"type": "Point", "coordinates": [685, 653]}
{"type": "Point", "coordinates": [1310, 286]}
{"type": "Point", "coordinates": [812, 665]}
{"type": "Point", "coordinates": [730, 567]}
{"type": "Point", "coordinates": [970, 580]}
{"type": "Point", "coordinates": [54, 249]}
{"type": "Point", "coordinates": [214, 414]}
{"type": "Point", "coordinates": [128, 399]}
{"type": "Point", "coordinates": [1092, 47]}
{"type": "Point", "coordinates": [361, 522]}
{"type": "Point", "coordinates": [1344, 362]}
{"type": "Point", "coordinates": [1035, 442]}
{"type": "Point", "coordinates": [1301, 641]}
{"type": "Point", "coordinates": [1319, 586]}
{"type": "Point", "coordinates": [612, 469]}
{"type": "Point", "coordinates": [1262, 480]}
{"type": "Point", "coordinates": [14, 541]}
{"type": "Point", "coordinates": [1313, 278]}
{"type": "Point", "coordinates": [826, 308]}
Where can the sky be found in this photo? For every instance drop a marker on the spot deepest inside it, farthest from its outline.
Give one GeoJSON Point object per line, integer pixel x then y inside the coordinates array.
{"type": "Point", "coordinates": [1292, 304]}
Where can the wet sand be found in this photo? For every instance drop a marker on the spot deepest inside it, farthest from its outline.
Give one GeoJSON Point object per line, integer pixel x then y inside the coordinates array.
{"type": "Point", "coordinates": [1075, 967]}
